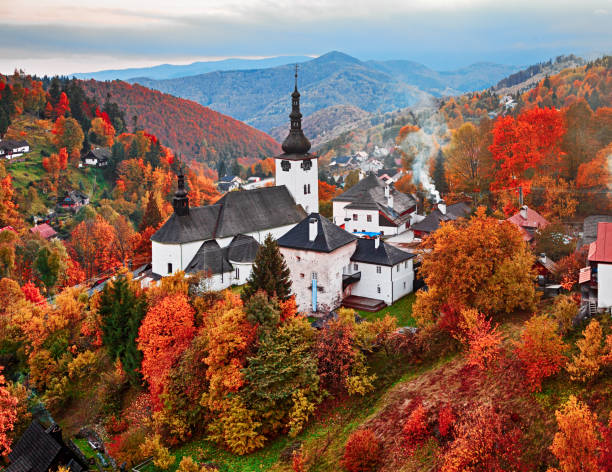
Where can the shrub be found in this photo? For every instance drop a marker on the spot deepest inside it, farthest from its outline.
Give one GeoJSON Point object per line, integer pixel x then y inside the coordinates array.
{"type": "Point", "coordinates": [162, 459]}
{"type": "Point", "coordinates": [416, 429]}
{"type": "Point", "coordinates": [564, 311]}
{"type": "Point", "coordinates": [446, 420]}
{"type": "Point", "coordinates": [362, 452]}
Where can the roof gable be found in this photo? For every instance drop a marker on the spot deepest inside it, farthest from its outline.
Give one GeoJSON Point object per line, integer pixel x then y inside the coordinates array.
{"type": "Point", "coordinates": [385, 254]}
{"type": "Point", "coordinates": [329, 236]}
{"type": "Point", "coordinates": [198, 225]}
{"type": "Point", "coordinates": [35, 451]}
{"type": "Point", "coordinates": [602, 250]}
{"type": "Point", "coordinates": [210, 258]}
{"type": "Point", "coordinates": [431, 222]}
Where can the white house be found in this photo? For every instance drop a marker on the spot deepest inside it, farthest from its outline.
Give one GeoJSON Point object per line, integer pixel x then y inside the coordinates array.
{"type": "Point", "coordinates": [10, 149]}
{"type": "Point", "coordinates": [596, 279]}
{"type": "Point", "coordinates": [373, 207]}
{"type": "Point", "coordinates": [330, 266]}
{"type": "Point", "coordinates": [227, 183]}
{"type": "Point", "coordinates": [97, 157]}
{"type": "Point", "coordinates": [371, 165]}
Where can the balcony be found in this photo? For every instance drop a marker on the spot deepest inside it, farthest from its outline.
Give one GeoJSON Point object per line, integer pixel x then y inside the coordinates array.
{"type": "Point", "coordinates": [348, 279]}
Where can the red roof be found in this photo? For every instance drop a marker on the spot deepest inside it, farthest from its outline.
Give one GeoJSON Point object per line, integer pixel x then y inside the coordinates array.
{"type": "Point", "coordinates": [44, 230]}
{"type": "Point", "coordinates": [584, 275]}
{"type": "Point", "coordinates": [528, 225]}
{"type": "Point", "coordinates": [8, 228]}
{"type": "Point", "coordinates": [602, 250]}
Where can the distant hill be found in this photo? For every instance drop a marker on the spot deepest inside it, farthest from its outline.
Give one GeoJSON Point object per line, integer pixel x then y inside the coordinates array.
{"type": "Point", "coordinates": [259, 97]}
{"type": "Point", "coordinates": [170, 71]}
{"type": "Point", "coordinates": [189, 128]}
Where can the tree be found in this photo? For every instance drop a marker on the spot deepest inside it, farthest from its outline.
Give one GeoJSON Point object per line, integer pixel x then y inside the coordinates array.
{"type": "Point", "coordinates": [121, 309]}
{"type": "Point", "coordinates": [588, 362]}
{"type": "Point", "coordinates": [67, 133]}
{"type": "Point", "coordinates": [362, 452]}
{"type": "Point", "coordinates": [335, 354]}
{"type": "Point", "coordinates": [439, 173]}
{"type": "Point", "coordinates": [270, 273]}
{"type": "Point", "coordinates": [564, 311]}
{"type": "Point", "coordinates": [351, 179]}
{"type": "Point", "coordinates": [576, 444]}
{"type": "Point", "coordinates": [9, 215]}
{"type": "Point", "coordinates": [8, 415]}
{"type": "Point", "coordinates": [165, 333]}
{"type": "Point", "coordinates": [540, 349]}
{"type": "Point", "coordinates": [152, 217]}
{"type": "Point", "coordinates": [416, 429]}
{"type": "Point", "coordinates": [153, 447]}
{"type": "Point", "coordinates": [484, 343]}
{"type": "Point", "coordinates": [263, 311]}
{"type": "Point", "coordinates": [101, 132]}
{"type": "Point", "coordinates": [62, 106]}
{"type": "Point", "coordinates": [553, 241]}
{"type": "Point", "coordinates": [483, 264]}
{"type": "Point", "coordinates": [92, 244]}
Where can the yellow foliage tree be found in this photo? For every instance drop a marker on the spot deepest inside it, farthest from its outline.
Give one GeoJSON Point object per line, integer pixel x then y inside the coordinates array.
{"type": "Point", "coordinates": [587, 364]}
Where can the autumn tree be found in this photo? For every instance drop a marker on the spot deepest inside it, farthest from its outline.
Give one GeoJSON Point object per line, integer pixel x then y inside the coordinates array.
{"type": "Point", "coordinates": [62, 106]}
{"type": "Point", "coordinates": [101, 132]}
{"type": "Point", "coordinates": [8, 415]}
{"type": "Point", "coordinates": [335, 354]}
{"type": "Point", "coordinates": [553, 241]}
{"type": "Point", "coordinates": [9, 214]}
{"type": "Point", "coordinates": [270, 273]}
{"type": "Point", "coordinates": [576, 444]}
{"type": "Point", "coordinates": [416, 428]}
{"type": "Point", "coordinates": [483, 264]}
{"type": "Point", "coordinates": [92, 243]}
{"type": "Point", "coordinates": [152, 216]}
{"type": "Point", "coordinates": [564, 311]}
{"type": "Point", "coordinates": [351, 179]}
{"type": "Point", "coordinates": [121, 309]}
{"type": "Point", "coordinates": [587, 363]}
{"type": "Point", "coordinates": [540, 350]}
{"type": "Point", "coordinates": [67, 133]}
{"type": "Point", "coordinates": [166, 331]}
{"type": "Point", "coordinates": [362, 452]}
{"type": "Point", "coordinates": [484, 340]}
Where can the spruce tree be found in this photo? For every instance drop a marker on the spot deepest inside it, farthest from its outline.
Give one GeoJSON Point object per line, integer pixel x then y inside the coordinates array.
{"type": "Point", "coordinates": [122, 311]}
{"type": "Point", "coordinates": [439, 176]}
{"type": "Point", "coordinates": [270, 273]}
{"type": "Point", "coordinates": [152, 216]}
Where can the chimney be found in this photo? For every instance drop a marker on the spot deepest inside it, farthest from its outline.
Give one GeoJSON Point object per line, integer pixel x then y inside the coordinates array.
{"type": "Point", "coordinates": [524, 212]}
{"type": "Point", "coordinates": [543, 258]}
{"type": "Point", "coordinates": [376, 242]}
{"type": "Point", "coordinates": [442, 207]}
{"type": "Point", "coordinates": [387, 192]}
{"type": "Point", "coordinates": [313, 228]}
{"type": "Point", "coordinates": [390, 201]}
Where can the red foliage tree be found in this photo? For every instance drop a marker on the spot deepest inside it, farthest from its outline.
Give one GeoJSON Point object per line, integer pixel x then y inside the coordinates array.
{"type": "Point", "coordinates": [446, 420]}
{"type": "Point", "coordinates": [335, 354]}
{"type": "Point", "coordinates": [362, 452]}
{"type": "Point", "coordinates": [416, 429]}
{"type": "Point", "coordinates": [32, 293]}
{"type": "Point", "coordinates": [165, 333]}
{"type": "Point", "coordinates": [63, 105]}
{"type": "Point", "coordinates": [8, 415]}
{"type": "Point", "coordinates": [92, 245]}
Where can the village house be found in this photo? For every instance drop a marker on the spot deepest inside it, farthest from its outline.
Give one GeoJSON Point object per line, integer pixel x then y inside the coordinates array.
{"type": "Point", "coordinates": [341, 161]}
{"type": "Point", "coordinates": [44, 231]}
{"type": "Point", "coordinates": [97, 157]}
{"type": "Point", "coordinates": [528, 221]}
{"type": "Point", "coordinates": [10, 149]}
{"type": "Point", "coordinates": [443, 212]}
{"type": "Point", "coordinates": [221, 240]}
{"type": "Point", "coordinates": [227, 183]}
{"type": "Point", "coordinates": [372, 207]}
{"type": "Point", "coordinates": [331, 267]}
{"type": "Point", "coordinates": [73, 200]}
{"type": "Point", "coordinates": [596, 279]}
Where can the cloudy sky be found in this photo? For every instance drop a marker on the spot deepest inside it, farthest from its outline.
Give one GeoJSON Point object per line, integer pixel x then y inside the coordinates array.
{"type": "Point", "coordinates": [65, 36]}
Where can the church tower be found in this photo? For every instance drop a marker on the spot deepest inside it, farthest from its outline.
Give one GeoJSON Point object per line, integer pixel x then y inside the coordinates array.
{"type": "Point", "coordinates": [180, 202]}
{"type": "Point", "coordinates": [296, 168]}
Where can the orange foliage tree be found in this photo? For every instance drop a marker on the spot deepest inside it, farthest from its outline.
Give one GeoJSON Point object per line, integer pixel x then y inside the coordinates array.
{"type": "Point", "coordinates": [9, 215]}
{"type": "Point", "coordinates": [67, 133]}
{"type": "Point", "coordinates": [8, 415]}
{"type": "Point", "coordinates": [92, 245]}
{"type": "Point", "coordinates": [165, 332]}
{"type": "Point", "coordinates": [362, 452]}
{"type": "Point", "coordinates": [101, 132]}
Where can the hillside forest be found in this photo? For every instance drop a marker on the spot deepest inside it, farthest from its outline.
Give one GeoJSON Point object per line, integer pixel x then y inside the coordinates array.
{"type": "Point", "coordinates": [476, 373]}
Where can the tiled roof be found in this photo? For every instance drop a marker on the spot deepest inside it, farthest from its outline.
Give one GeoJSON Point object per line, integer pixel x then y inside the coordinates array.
{"type": "Point", "coordinates": [589, 227]}
{"type": "Point", "coordinates": [431, 222]}
{"type": "Point", "coordinates": [242, 249]}
{"type": "Point", "coordinates": [210, 258]}
{"type": "Point", "coordinates": [385, 254]}
{"type": "Point", "coordinates": [530, 224]}
{"type": "Point", "coordinates": [584, 275]}
{"type": "Point", "coordinates": [198, 225]}
{"type": "Point", "coordinates": [44, 230]}
{"type": "Point", "coordinates": [603, 244]}
{"type": "Point", "coordinates": [329, 236]}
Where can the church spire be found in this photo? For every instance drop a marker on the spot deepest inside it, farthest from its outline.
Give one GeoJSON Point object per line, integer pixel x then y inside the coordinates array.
{"type": "Point", "coordinates": [180, 202]}
{"type": "Point", "coordinates": [296, 142]}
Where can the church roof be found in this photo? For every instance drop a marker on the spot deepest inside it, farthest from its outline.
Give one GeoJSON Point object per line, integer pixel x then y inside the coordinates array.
{"type": "Point", "coordinates": [385, 254]}
{"type": "Point", "coordinates": [198, 225]}
{"type": "Point", "coordinates": [210, 258]}
{"type": "Point", "coordinates": [329, 236]}
{"type": "Point", "coordinates": [242, 249]}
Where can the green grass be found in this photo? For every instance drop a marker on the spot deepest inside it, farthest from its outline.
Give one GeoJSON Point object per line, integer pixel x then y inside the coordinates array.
{"type": "Point", "coordinates": [400, 310]}
{"type": "Point", "coordinates": [85, 448]}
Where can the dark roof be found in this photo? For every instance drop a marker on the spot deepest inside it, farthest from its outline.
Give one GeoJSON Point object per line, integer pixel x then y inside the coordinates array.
{"type": "Point", "coordinates": [227, 178]}
{"type": "Point", "coordinates": [242, 249]}
{"type": "Point", "coordinates": [432, 221]}
{"type": "Point", "coordinates": [329, 236]}
{"type": "Point", "coordinates": [198, 225]}
{"type": "Point", "coordinates": [342, 159]}
{"type": "Point", "coordinates": [210, 258]}
{"type": "Point", "coordinates": [102, 154]}
{"type": "Point", "coordinates": [10, 144]}
{"type": "Point", "coordinates": [385, 254]}
{"type": "Point", "coordinates": [589, 229]}
{"type": "Point", "coordinates": [369, 194]}
{"type": "Point", "coordinates": [224, 186]}
{"type": "Point", "coordinates": [259, 209]}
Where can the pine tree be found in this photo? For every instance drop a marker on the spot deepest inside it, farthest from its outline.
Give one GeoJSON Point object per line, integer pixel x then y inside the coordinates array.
{"type": "Point", "coordinates": [152, 216]}
{"type": "Point", "coordinates": [122, 311]}
{"type": "Point", "coordinates": [439, 174]}
{"type": "Point", "coordinates": [270, 273]}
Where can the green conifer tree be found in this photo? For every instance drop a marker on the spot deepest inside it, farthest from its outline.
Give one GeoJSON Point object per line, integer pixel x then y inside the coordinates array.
{"type": "Point", "coordinates": [122, 311]}
{"type": "Point", "coordinates": [270, 273]}
{"type": "Point", "coordinates": [152, 216]}
{"type": "Point", "coordinates": [439, 176]}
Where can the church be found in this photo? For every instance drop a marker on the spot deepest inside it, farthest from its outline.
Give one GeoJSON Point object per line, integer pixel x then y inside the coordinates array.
{"type": "Point", "coordinates": [221, 240]}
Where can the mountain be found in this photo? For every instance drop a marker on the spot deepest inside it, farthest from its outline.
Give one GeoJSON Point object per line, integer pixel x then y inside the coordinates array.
{"type": "Point", "coordinates": [170, 71]}
{"type": "Point", "coordinates": [260, 96]}
{"type": "Point", "coordinates": [185, 126]}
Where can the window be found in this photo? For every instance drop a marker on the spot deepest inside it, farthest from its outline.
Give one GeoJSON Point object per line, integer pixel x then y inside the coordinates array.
{"type": "Point", "coordinates": [308, 188]}
{"type": "Point", "coordinates": [369, 218]}
{"type": "Point", "coordinates": [169, 267]}
{"type": "Point", "coordinates": [355, 267]}
{"type": "Point", "coordinates": [305, 189]}
{"type": "Point", "coordinates": [298, 258]}
{"type": "Point", "coordinates": [378, 289]}
{"type": "Point", "coordinates": [404, 284]}
{"type": "Point", "coordinates": [354, 230]}
{"type": "Point", "coordinates": [397, 268]}
{"type": "Point", "coordinates": [405, 264]}
{"type": "Point", "coordinates": [355, 217]}
{"type": "Point", "coordinates": [306, 164]}
{"type": "Point", "coordinates": [302, 276]}
{"type": "Point", "coordinates": [314, 276]}
{"type": "Point", "coordinates": [285, 165]}
{"type": "Point", "coordinates": [237, 273]}
{"type": "Point", "coordinates": [378, 270]}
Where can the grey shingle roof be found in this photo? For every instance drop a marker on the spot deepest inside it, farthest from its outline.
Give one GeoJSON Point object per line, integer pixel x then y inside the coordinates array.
{"type": "Point", "coordinates": [259, 209]}
{"type": "Point", "coordinates": [242, 249]}
{"type": "Point", "coordinates": [385, 254]}
{"type": "Point", "coordinates": [198, 225]}
{"type": "Point", "coordinates": [589, 230]}
{"type": "Point", "coordinates": [210, 258]}
{"type": "Point", "coordinates": [370, 191]}
{"type": "Point", "coordinates": [329, 236]}
{"type": "Point", "coordinates": [432, 221]}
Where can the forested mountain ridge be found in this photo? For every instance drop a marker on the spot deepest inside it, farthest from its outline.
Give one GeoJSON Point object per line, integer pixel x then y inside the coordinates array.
{"type": "Point", "coordinates": [258, 96]}
{"type": "Point", "coordinates": [194, 131]}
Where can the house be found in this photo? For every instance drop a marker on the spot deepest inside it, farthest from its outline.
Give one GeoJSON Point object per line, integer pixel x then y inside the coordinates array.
{"type": "Point", "coordinates": [589, 228]}
{"type": "Point", "coordinates": [596, 279]}
{"type": "Point", "coordinates": [97, 157]}
{"type": "Point", "coordinates": [528, 222]}
{"type": "Point", "coordinates": [41, 450]}
{"type": "Point", "coordinates": [44, 230]}
{"type": "Point", "coordinates": [546, 269]}
{"type": "Point", "coordinates": [371, 165]}
{"type": "Point", "coordinates": [10, 149]}
{"type": "Point", "coordinates": [227, 183]}
{"type": "Point", "coordinates": [341, 161]}
{"type": "Point", "coordinates": [221, 240]}
{"type": "Point", "coordinates": [331, 267]}
{"type": "Point", "coordinates": [258, 182]}
{"type": "Point", "coordinates": [73, 200]}
{"type": "Point", "coordinates": [443, 212]}
{"type": "Point", "coordinates": [372, 207]}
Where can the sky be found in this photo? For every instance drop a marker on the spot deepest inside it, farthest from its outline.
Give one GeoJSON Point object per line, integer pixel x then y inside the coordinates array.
{"type": "Point", "coordinates": [67, 36]}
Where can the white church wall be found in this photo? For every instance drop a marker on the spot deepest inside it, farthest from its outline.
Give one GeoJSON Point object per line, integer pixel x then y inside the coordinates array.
{"type": "Point", "coordinates": [179, 255]}
{"type": "Point", "coordinates": [339, 212]}
{"type": "Point", "coordinates": [296, 178]}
